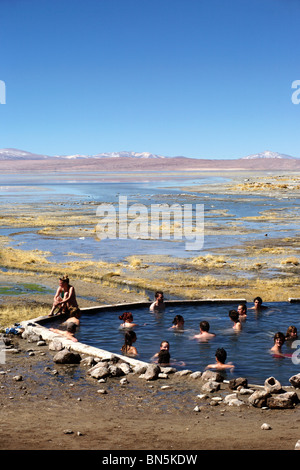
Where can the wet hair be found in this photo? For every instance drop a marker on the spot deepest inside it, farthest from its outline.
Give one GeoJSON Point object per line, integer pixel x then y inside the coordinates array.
{"type": "Point", "coordinates": [130, 337]}
{"type": "Point", "coordinates": [244, 307]}
{"type": "Point", "coordinates": [221, 355]}
{"type": "Point", "coordinates": [126, 316]}
{"type": "Point", "coordinates": [164, 341]}
{"type": "Point", "coordinates": [234, 315]}
{"type": "Point", "coordinates": [74, 312]}
{"type": "Point", "coordinates": [163, 357]}
{"type": "Point", "coordinates": [279, 335]}
{"type": "Point", "coordinates": [71, 327]}
{"type": "Point", "coordinates": [204, 325]}
{"type": "Point", "coordinates": [177, 319]}
{"type": "Point", "coordinates": [158, 292]}
{"type": "Point", "coordinates": [291, 329]}
{"type": "Point", "coordinates": [259, 299]}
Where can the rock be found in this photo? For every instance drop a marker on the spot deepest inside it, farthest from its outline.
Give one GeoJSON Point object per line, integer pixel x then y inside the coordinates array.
{"type": "Point", "coordinates": [265, 426]}
{"type": "Point", "coordinates": [139, 369]}
{"type": "Point", "coordinates": [18, 378]}
{"type": "Point", "coordinates": [68, 431]}
{"type": "Point", "coordinates": [41, 343]}
{"type": "Point", "coordinates": [182, 373]}
{"type": "Point", "coordinates": [272, 385]}
{"type": "Point", "coordinates": [246, 391]}
{"type": "Point", "coordinates": [99, 371]}
{"type": "Point", "coordinates": [31, 336]}
{"type": "Point", "coordinates": [211, 375]}
{"type": "Point", "coordinates": [115, 371]}
{"type": "Point", "coordinates": [283, 401]}
{"type": "Point", "coordinates": [88, 361]}
{"type": "Point", "coordinates": [236, 402]}
{"type": "Point", "coordinates": [239, 382]}
{"type": "Point", "coordinates": [197, 409]}
{"type": "Point", "coordinates": [163, 376]}
{"type": "Point", "coordinates": [216, 399]}
{"type": "Point", "coordinates": [55, 345]}
{"type": "Point", "coordinates": [297, 445]}
{"type": "Point", "coordinates": [6, 341]}
{"type": "Point", "coordinates": [126, 369]}
{"type": "Point", "coordinates": [124, 381]}
{"type": "Point", "coordinates": [211, 386]}
{"type": "Point", "coordinates": [196, 375]}
{"type": "Point", "coordinates": [152, 372]}
{"type": "Point", "coordinates": [295, 381]}
{"type": "Point", "coordinates": [231, 396]}
{"type": "Point", "coordinates": [102, 391]}
{"type": "Point", "coordinates": [67, 357]}
{"type": "Point", "coordinates": [259, 398]}
{"type": "Point", "coordinates": [168, 370]}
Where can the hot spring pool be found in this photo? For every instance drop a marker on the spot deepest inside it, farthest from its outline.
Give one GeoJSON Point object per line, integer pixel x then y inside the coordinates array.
{"type": "Point", "coordinates": [247, 349]}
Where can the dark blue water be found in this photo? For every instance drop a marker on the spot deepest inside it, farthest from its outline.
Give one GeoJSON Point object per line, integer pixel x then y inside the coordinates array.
{"type": "Point", "coordinates": [248, 350]}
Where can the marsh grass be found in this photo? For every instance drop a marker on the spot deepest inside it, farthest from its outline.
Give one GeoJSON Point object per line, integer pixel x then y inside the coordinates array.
{"type": "Point", "coordinates": [10, 314]}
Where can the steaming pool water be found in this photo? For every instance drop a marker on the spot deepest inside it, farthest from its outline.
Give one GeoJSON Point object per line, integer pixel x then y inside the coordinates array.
{"type": "Point", "coordinates": [248, 350]}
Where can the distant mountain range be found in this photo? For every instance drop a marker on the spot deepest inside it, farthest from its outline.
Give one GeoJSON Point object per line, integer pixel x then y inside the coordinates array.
{"type": "Point", "coordinates": [15, 154]}
{"type": "Point", "coordinates": [17, 161]}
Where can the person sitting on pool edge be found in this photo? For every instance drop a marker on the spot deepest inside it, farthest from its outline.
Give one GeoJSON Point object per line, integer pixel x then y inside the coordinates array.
{"type": "Point", "coordinates": [127, 348]}
{"type": "Point", "coordinates": [64, 298]}
{"type": "Point", "coordinates": [221, 356]}
{"type": "Point", "coordinates": [234, 316]}
{"type": "Point", "coordinates": [158, 305]}
{"type": "Point", "coordinates": [204, 331]}
{"type": "Point", "coordinates": [242, 311]}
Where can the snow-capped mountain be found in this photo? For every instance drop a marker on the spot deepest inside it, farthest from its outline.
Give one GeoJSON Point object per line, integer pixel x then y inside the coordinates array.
{"type": "Point", "coordinates": [127, 154]}
{"type": "Point", "coordinates": [267, 154]}
{"type": "Point", "coordinates": [15, 154]}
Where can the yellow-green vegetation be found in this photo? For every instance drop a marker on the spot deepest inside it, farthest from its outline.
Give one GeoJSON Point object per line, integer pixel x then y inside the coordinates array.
{"type": "Point", "coordinates": [10, 314]}
{"type": "Point", "coordinates": [209, 261]}
{"type": "Point", "coordinates": [267, 183]}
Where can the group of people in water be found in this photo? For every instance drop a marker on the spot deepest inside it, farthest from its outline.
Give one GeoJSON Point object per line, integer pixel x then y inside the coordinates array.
{"type": "Point", "coordinates": [65, 302]}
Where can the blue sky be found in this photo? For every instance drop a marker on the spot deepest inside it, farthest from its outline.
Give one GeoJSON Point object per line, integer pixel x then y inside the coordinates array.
{"type": "Point", "coordinates": [199, 78]}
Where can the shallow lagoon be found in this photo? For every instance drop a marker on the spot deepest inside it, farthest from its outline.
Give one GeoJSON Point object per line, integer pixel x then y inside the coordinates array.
{"type": "Point", "coordinates": [221, 211]}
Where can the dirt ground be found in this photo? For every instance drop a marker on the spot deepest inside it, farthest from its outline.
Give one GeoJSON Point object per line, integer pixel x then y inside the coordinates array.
{"type": "Point", "coordinates": [66, 411]}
